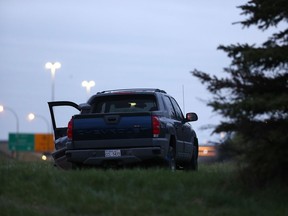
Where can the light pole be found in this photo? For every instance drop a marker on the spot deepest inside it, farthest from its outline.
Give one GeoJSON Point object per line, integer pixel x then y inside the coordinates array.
{"type": "Point", "coordinates": [53, 67]}
{"type": "Point", "coordinates": [2, 109]}
{"type": "Point", "coordinates": [88, 85]}
{"type": "Point", "coordinates": [32, 116]}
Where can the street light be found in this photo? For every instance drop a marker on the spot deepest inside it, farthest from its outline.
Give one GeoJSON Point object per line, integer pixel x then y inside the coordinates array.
{"type": "Point", "coordinates": [2, 109]}
{"type": "Point", "coordinates": [53, 67]}
{"type": "Point", "coordinates": [32, 116]}
{"type": "Point", "coordinates": [88, 85]}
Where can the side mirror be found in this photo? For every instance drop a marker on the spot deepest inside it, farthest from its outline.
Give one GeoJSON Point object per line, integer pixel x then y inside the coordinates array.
{"type": "Point", "coordinates": [85, 108]}
{"type": "Point", "coordinates": [191, 116]}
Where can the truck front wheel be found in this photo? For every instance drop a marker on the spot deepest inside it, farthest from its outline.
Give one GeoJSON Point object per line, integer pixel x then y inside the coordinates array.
{"type": "Point", "coordinates": [193, 165]}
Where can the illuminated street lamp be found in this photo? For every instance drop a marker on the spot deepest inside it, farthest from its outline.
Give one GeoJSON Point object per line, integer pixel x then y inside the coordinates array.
{"type": "Point", "coordinates": [88, 85]}
{"type": "Point", "coordinates": [53, 67]}
{"type": "Point", "coordinates": [2, 109]}
{"type": "Point", "coordinates": [32, 116]}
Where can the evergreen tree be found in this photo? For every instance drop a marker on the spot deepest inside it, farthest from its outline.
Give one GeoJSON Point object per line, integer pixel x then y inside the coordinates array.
{"type": "Point", "coordinates": [253, 97]}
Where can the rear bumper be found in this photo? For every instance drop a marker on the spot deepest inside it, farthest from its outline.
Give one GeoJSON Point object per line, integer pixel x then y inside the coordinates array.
{"type": "Point", "coordinates": [127, 156]}
{"type": "Point", "coordinates": [93, 153]}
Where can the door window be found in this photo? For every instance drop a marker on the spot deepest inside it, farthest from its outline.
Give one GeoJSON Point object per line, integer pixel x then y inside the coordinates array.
{"type": "Point", "coordinates": [179, 114]}
{"type": "Point", "coordinates": [170, 107]}
{"type": "Point", "coordinates": [63, 114]}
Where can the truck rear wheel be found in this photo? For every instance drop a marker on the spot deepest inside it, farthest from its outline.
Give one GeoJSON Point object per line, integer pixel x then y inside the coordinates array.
{"type": "Point", "coordinates": [171, 158]}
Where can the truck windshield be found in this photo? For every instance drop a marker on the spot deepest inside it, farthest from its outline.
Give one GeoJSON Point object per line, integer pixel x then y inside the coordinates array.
{"type": "Point", "coordinates": [124, 103]}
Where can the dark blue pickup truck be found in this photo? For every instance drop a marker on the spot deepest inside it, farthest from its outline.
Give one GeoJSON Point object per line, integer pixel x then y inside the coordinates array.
{"type": "Point", "coordinates": [124, 127]}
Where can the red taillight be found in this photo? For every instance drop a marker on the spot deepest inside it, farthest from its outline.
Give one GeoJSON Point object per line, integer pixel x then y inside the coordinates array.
{"type": "Point", "coordinates": [155, 126]}
{"type": "Point", "coordinates": [70, 129]}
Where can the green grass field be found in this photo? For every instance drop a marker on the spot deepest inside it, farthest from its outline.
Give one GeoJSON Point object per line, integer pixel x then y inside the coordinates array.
{"type": "Point", "coordinates": [29, 188]}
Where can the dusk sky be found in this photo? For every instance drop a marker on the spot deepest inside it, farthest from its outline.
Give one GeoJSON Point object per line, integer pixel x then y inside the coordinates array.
{"type": "Point", "coordinates": [118, 44]}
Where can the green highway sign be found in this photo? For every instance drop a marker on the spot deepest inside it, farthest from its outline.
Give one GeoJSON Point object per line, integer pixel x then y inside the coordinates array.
{"type": "Point", "coordinates": [21, 142]}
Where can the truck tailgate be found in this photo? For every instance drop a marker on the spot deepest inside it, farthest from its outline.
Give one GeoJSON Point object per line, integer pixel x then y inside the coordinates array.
{"type": "Point", "coordinates": [97, 129]}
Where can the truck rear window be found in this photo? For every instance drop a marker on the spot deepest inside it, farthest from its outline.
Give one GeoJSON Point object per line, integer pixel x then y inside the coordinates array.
{"type": "Point", "coordinates": [124, 103]}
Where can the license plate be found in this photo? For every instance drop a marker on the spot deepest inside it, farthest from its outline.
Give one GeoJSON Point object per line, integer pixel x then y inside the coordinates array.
{"type": "Point", "coordinates": [113, 153]}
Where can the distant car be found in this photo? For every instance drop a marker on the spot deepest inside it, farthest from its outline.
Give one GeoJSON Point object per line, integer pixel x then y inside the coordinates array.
{"type": "Point", "coordinates": [126, 126]}
{"type": "Point", "coordinates": [209, 152]}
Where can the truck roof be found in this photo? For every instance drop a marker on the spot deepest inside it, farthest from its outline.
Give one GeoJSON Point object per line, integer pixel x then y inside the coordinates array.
{"type": "Point", "coordinates": [132, 90]}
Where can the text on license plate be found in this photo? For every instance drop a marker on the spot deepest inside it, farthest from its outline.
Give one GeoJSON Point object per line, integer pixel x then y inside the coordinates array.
{"type": "Point", "coordinates": [113, 153]}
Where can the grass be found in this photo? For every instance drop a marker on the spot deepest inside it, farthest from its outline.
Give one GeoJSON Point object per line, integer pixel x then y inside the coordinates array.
{"type": "Point", "coordinates": [40, 189]}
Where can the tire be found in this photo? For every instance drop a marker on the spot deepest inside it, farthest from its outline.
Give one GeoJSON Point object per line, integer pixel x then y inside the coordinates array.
{"type": "Point", "coordinates": [194, 159]}
{"type": "Point", "coordinates": [193, 163]}
{"type": "Point", "coordinates": [172, 158]}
